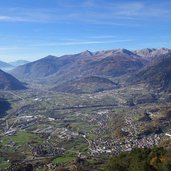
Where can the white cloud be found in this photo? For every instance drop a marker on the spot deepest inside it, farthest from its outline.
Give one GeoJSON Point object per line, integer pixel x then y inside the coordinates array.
{"type": "Point", "coordinates": [102, 37]}
{"type": "Point", "coordinates": [92, 42]}
{"type": "Point", "coordinates": [86, 42]}
{"type": "Point", "coordinates": [5, 18]}
{"type": "Point", "coordinates": [8, 48]}
{"type": "Point", "coordinates": [89, 11]}
{"type": "Point", "coordinates": [9, 18]}
{"type": "Point", "coordinates": [34, 45]}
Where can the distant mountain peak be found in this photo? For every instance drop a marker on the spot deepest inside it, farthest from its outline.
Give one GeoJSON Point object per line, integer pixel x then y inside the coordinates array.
{"type": "Point", "coordinates": [86, 53]}
{"type": "Point", "coordinates": [18, 62]}
{"type": "Point", "coordinates": [123, 51]}
{"type": "Point", "coordinates": [50, 57]}
{"type": "Point", "coordinates": [46, 58]}
{"type": "Point", "coordinates": [152, 52]}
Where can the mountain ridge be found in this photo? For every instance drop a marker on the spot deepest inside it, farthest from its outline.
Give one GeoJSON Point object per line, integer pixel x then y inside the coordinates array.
{"type": "Point", "coordinates": [56, 71]}
{"type": "Point", "coordinates": [76, 62]}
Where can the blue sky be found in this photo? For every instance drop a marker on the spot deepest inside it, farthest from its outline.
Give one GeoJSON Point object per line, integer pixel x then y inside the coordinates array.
{"type": "Point", "coordinates": [32, 29]}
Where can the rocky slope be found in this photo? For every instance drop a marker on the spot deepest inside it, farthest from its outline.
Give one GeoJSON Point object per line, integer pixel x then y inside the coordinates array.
{"type": "Point", "coordinates": [158, 76]}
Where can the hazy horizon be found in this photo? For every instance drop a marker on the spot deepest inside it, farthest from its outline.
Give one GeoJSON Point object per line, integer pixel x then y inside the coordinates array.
{"type": "Point", "coordinates": [30, 30]}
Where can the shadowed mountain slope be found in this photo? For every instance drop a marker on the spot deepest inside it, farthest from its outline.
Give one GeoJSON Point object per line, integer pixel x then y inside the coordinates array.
{"type": "Point", "coordinates": [89, 84]}
{"type": "Point", "coordinates": [8, 82]}
{"type": "Point", "coordinates": [157, 76]}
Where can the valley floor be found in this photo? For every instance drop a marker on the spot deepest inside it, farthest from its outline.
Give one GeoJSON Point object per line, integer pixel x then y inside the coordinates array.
{"type": "Point", "coordinates": [51, 129]}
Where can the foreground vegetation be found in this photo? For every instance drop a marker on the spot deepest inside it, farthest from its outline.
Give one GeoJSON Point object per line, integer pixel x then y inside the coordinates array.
{"type": "Point", "coordinates": [156, 159]}
{"type": "Point", "coordinates": [144, 159]}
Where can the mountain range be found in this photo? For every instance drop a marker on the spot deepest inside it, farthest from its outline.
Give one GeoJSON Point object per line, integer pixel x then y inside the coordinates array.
{"type": "Point", "coordinates": [89, 72]}
{"type": "Point", "coordinates": [5, 66]}
{"type": "Point", "coordinates": [102, 63]}
{"type": "Point", "coordinates": [11, 65]}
